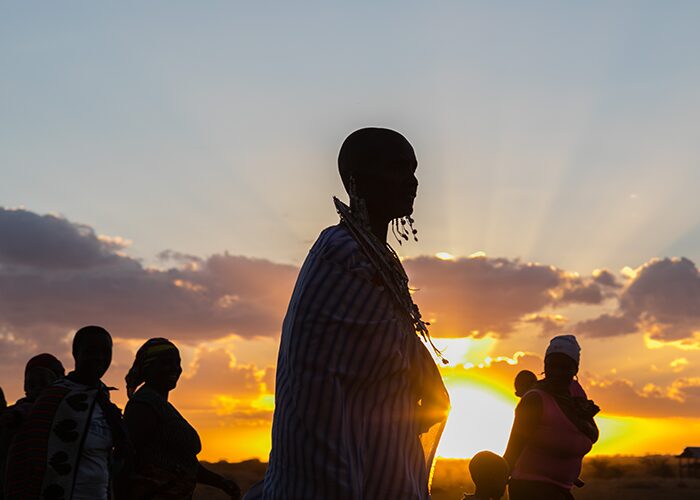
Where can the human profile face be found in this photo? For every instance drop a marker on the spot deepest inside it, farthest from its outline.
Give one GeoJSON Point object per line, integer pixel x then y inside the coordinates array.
{"type": "Point", "coordinates": [93, 355]}
{"type": "Point", "coordinates": [164, 371]}
{"type": "Point", "coordinates": [391, 190]}
{"type": "Point", "coordinates": [559, 369]}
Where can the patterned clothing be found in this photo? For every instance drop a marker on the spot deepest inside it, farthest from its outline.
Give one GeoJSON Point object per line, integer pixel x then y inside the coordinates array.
{"type": "Point", "coordinates": [166, 466]}
{"type": "Point", "coordinates": [92, 477]}
{"type": "Point", "coordinates": [350, 374]}
{"type": "Point", "coordinates": [45, 455]}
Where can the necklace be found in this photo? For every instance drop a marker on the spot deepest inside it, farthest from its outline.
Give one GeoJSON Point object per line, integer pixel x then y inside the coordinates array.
{"type": "Point", "coordinates": [391, 272]}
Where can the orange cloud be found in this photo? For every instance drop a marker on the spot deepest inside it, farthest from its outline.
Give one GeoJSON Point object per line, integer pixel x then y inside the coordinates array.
{"type": "Point", "coordinates": [477, 296]}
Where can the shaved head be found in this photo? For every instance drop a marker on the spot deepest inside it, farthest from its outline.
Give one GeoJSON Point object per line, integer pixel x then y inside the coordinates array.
{"type": "Point", "coordinates": [367, 151]}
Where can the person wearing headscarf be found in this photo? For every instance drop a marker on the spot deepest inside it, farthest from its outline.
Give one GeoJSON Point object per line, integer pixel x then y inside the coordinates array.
{"type": "Point", "coordinates": [553, 429]}
{"type": "Point", "coordinates": [40, 372]}
{"type": "Point", "coordinates": [73, 437]}
{"type": "Point", "coordinates": [166, 445]}
{"type": "Point", "coordinates": [359, 401]}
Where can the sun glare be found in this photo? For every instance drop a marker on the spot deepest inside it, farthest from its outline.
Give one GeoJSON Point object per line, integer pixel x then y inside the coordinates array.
{"type": "Point", "coordinates": [480, 419]}
{"type": "Point", "coordinates": [465, 350]}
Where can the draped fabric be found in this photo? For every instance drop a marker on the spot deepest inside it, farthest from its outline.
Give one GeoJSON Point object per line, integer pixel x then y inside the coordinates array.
{"type": "Point", "coordinates": [45, 454]}
{"type": "Point", "coordinates": [355, 389]}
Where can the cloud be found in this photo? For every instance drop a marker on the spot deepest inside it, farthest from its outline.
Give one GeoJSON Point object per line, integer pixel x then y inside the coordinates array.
{"type": "Point", "coordinates": [622, 397]}
{"type": "Point", "coordinates": [222, 390]}
{"type": "Point", "coordinates": [615, 396]}
{"type": "Point", "coordinates": [477, 296]}
{"type": "Point", "coordinates": [661, 298]}
{"type": "Point", "coordinates": [50, 242]}
{"type": "Point", "coordinates": [605, 278]}
{"type": "Point", "coordinates": [550, 324]}
{"type": "Point", "coordinates": [56, 275]}
{"type": "Point", "coordinates": [607, 325]}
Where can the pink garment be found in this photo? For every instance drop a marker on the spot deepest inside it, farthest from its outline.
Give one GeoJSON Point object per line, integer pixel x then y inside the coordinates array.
{"type": "Point", "coordinates": [555, 452]}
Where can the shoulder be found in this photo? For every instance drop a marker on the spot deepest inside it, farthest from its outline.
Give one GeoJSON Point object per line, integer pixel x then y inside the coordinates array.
{"type": "Point", "coordinates": [532, 400]}
{"type": "Point", "coordinates": [335, 243]}
{"type": "Point", "coordinates": [336, 246]}
{"type": "Point", "coordinates": [145, 400]}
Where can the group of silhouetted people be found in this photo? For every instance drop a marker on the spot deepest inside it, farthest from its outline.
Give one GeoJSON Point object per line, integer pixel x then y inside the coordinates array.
{"type": "Point", "coordinates": [66, 440]}
{"type": "Point", "coordinates": [360, 404]}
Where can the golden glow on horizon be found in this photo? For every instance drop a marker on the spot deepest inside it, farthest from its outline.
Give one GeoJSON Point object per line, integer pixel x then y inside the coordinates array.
{"type": "Point", "coordinates": [445, 256]}
{"type": "Point", "coordinates": [480, 419]}
{"type": "Point", "coordinates": [464, 350]}
{"type": "Point", "coordinates": [683, 345]}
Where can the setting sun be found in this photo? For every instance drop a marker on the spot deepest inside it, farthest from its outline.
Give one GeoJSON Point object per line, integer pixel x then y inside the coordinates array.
{"type": "Point", "coordinates": [480, 419]}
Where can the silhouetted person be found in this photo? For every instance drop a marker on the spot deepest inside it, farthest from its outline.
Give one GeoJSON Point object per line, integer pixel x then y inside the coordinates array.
{"type": "Point", "coordinates": [524, 381]}
{"type": "Point", "coordinates": [351, 368]}
{"type": "Point", "coordinates": [166, 445]}
{"type": "Point", "coordinates": [40, 372]}
{"type": "Point", "coordinates": [3, 401]}
{"type": "Point", "coordinates": [552, 431]}
{"type": "Point", "coordinates": [73, 432]}
{"type": "Point", "coordinates": [490, 475]}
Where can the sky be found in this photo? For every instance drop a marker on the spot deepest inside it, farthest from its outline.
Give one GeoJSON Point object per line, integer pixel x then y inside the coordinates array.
{"type": "Point", "coordinates": [166, 166]}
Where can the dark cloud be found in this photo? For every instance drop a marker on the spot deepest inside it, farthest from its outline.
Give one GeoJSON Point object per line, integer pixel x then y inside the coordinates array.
{"type": "Point", "coordinates": [475, 296]}
{"type": "Point", "coordinates": [550, 324]}
{"type": "Point", "coordinates": [581, 293]}
{"type": "Point", "coordinates": [605, 278]}
{"type": "Point", "coordinates": [662, 299]}
{"type": "Point", "coordinates": [58, 275]}
{"type": "Point", "coordinates": [51, 242]}
{"type": "Point", "coordinates": [607, 325]}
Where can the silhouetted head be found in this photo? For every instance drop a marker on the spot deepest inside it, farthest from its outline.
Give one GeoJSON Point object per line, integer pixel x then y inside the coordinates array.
{"type": "Point", "coordinates": [561, 361]}
{"type": "Point", "coordinates": [92, 350]}
{"type": "Point", "coordinates": [524, 381]}
{"type": "Point", "coordinates": [490, 474]}
{"type": "Point", "coordinates": [41, 371]}
{"type": "Point", "coordinates": [157, 364]}
{"type": "Point", "coordinates": [380, 164]}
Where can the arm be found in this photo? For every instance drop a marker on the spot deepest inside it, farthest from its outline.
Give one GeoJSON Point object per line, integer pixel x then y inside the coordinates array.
{"type": "Point", "coordinates": [211, 478]}
{"type": "Point", "coordinates": [527, 417]}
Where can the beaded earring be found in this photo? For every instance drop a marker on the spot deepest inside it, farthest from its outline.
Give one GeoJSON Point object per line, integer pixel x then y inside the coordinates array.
{"type": "Point", "coordinates": [402, 228]}
{"type": "Point", "coordinates": [357, 204]}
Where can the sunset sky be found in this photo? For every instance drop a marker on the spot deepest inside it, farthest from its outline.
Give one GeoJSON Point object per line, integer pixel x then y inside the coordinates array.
{"type": "Point", "coordinates": [167, 165]}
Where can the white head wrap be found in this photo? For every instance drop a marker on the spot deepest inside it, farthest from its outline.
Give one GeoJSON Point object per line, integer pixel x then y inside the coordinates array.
{"type": "Point", "coordinates": [565, 344]}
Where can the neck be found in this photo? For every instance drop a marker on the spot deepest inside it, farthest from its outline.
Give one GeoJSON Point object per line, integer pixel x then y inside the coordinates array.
{"type": "Point", "coordinates": [379, 228]}
{"type": "Point", "coordinates": [558, 387]}
{"type": "Point", "coordinates": [159, 390]}
{"type": "Point", "coordinates": [81, 378]}
{"type": "Point", "coordinates": [378, 225]}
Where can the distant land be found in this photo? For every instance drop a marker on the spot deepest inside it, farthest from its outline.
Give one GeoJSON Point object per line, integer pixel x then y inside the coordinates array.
{"type": "Point", "coordinates": [652, 477]}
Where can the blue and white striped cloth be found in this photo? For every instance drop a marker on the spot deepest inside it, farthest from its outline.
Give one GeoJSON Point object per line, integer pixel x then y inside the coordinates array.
{"type": "Point", "coordinates": [350, 373]}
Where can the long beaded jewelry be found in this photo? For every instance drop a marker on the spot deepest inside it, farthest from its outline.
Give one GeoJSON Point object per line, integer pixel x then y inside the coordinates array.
{"type": "Point", "coordinates": [387, 264]}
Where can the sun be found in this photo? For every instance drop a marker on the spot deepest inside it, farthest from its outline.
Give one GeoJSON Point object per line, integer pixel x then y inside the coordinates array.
{"type": "Point", "coordinates": [480, 419]}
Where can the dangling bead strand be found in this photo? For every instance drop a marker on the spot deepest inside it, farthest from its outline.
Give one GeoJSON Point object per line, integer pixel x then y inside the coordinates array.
{"type": "Point", "coordinates": [414, 231]}
{"type": "Point", "coordinates": [395, 230]}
